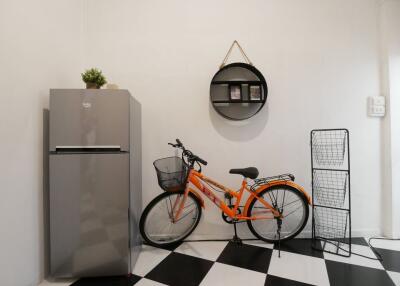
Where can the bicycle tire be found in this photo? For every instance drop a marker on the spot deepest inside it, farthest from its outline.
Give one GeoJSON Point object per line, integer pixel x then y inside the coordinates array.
{"type": "Point", "coordinates": [153, 204]}
{"type": "Point", "coordinates": [304, 221]}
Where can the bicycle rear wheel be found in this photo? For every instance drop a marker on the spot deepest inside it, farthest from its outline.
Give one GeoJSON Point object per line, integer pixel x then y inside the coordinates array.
{"type": "Point", "coordinates": [156, 224]}
{"type": "Point", "coordinates": [290, 202]}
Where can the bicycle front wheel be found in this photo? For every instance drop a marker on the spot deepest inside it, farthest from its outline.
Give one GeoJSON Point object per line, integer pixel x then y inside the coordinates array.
{"type": "Point", "coordinates": [157, 225]}
{"type": "Point", "coordinates": [293, 207]}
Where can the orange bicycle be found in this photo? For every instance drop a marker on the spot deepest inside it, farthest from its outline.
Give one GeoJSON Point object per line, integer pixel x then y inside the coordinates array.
{"type": "Point", "coordinates": [276, 210]}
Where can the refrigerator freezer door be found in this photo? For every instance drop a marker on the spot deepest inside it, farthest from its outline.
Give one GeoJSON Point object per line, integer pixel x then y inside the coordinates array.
{"type": "Point", "coordinates": [84, 117]}
{"type": "Point", "coordinates": [89, 224]}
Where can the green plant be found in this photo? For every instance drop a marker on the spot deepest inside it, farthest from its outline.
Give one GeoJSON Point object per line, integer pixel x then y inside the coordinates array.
{"type": "Point", "coordinates": [94, 76]}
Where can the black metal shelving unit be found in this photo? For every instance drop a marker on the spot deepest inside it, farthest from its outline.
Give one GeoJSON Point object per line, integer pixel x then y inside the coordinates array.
{"type": "Point", "coordinates": [243, 76]}
{"type": "Point", "coordinates": [331, 210]}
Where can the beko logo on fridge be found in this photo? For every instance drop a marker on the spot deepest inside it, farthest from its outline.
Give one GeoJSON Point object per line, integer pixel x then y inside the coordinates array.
{"type": "Point", "coordinates": [86, 105]}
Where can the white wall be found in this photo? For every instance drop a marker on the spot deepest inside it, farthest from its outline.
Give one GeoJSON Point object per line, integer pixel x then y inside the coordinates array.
{"type": "Point", "coordinates": [320, 58]}
{"type": "Point", "coordinates": [321, 61]}
{"type": "Point", "coordinates": [390, 23]}
{"type": "Point", "coordinates": [40, 48]}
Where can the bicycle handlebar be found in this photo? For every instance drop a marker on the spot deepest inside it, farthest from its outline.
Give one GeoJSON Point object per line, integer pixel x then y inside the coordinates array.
{"type": "Point", "coordinates": [191, 157]}
{"type": "Point", "coordinates": [201, 161]}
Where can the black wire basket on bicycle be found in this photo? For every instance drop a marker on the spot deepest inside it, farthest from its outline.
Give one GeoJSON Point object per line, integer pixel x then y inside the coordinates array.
{"type": "Point", "coordinates": [172, 173]}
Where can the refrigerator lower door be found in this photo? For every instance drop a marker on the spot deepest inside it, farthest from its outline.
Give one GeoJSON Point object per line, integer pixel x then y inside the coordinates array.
{"type": "Point", "coordinates": [89, 224]}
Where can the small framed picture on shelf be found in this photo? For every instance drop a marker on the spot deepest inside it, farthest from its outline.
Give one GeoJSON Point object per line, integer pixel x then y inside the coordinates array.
{"type": "Point", "coordinates": [235, 92]}
{"type": "Point", "coordinates": [255, 92]}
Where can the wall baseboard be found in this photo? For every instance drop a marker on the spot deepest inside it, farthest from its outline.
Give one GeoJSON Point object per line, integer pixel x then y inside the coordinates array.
{"type": "Point", "coordinates": [304, 234]}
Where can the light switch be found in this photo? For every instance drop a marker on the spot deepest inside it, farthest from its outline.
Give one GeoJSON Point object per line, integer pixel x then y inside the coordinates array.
{"type": "Point", "coordinates": [376, 106]}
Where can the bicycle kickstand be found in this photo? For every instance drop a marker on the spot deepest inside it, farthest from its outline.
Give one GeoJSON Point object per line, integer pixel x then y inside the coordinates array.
{"type": "Point", "coordinates": [279, 222]}
{"type": "Point", "coordinates": [236, 239]}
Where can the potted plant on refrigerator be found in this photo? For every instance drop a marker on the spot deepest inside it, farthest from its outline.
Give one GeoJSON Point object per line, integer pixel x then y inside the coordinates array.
{"type": "Point", "coordinates": [93, 78]}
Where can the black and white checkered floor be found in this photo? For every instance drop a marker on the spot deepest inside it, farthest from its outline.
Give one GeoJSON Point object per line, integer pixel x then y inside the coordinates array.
{"type": "Point", "coordinates": [257, 263]}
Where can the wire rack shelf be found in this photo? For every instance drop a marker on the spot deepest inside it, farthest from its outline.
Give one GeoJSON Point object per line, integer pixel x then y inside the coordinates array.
{"type": "Point", "coordinates": [331, 211]}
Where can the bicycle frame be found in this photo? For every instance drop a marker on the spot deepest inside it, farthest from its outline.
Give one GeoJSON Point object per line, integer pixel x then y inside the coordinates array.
{"type": "Point", "coordinates": [197, 179]}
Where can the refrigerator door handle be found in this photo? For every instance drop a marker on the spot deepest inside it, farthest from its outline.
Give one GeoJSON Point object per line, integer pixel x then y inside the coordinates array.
{"type": "Point", "coordinates": [89, 148]}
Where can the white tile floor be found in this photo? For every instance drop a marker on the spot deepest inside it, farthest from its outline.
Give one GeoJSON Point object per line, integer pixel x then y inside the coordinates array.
{"type": "Point", "coordinates": [395, 277]}
{"type": "Point", "coordinates": [148, 259]}
{"type": "Point", "coordinates": [66, 282]}
{"type": "Point", "coordinates": [303, 268]}
{"type": "Point", "coordinates": [260, 243]}
{"type": "Point", "coordinates": [148, 282]}
{"type": "Point", "coordinates": [355, 259]}
{"type": "Point", "coordinates": [257, 263]}
{"type": "Point", "coordinates": [209, 250]}
{"type": "Point", "coordinates": [224, 274]}
{"type": "Point", "coordinates": [387, 244]}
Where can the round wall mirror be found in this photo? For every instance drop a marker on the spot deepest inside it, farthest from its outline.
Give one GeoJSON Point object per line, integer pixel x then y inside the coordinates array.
{"type": "Point", "coordinates": [238, 91]}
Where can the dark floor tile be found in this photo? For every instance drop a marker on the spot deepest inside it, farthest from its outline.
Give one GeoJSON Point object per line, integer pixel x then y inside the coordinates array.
{"type": "Point", "coordinates": [359, 241]}
{"type": "Point", "coordinates": [171, 247]}
{"type": "Point", "coordinates": [391, 259]}
{"type": "Point", "coordinates": [354, 240]}
{"type": "Point", "coordinates": [279, 281]}
{"type": "Point", "coordinates": [335, 246]}
{"type": "Point", "coordinates": [246, 256]}
{"type": "Point", "coordinates": [344, 274]}
{"type": "Point", "coordinates": [108, 281]}
{"type": "Point", "coordinates": [179, 269]}
{"type": "Point", "coordinates": [301, 246]}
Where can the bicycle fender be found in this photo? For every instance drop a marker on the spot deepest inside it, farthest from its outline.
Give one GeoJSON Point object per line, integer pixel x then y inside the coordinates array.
{"type": "Point", "coordinates": [275, 183]}
{"type": "Point", "coordinates": [198, 197]}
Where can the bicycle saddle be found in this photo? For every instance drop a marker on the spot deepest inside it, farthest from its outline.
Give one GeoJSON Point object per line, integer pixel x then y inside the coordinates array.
{"type": "Point", "coordinates": [250, 172]}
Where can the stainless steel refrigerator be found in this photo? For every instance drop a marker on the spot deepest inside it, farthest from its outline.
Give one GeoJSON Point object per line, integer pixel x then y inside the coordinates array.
{"type": "Point", "coordinates": [95, 182]}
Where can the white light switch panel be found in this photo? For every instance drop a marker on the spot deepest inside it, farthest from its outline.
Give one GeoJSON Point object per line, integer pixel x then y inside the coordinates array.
{"type": "Point", "coordinates": [376, 106]}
